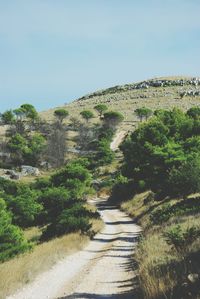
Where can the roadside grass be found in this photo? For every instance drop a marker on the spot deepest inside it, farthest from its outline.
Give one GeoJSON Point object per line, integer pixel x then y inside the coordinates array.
{"type": "Point", "coordinates": [24, 268]}
{"type": "Point", "coordinates": [163, 271]}
{"type": "Point", "coordinates": [19, 271]}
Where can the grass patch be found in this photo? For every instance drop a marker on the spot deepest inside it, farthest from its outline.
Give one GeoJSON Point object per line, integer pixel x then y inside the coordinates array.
{"type": "Point", "coordinates": [165, 271]}
{"type": "Point", "coordinates": [22, 269]}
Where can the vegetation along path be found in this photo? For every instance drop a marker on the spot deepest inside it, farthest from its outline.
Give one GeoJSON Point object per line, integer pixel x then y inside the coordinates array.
{"type": "Point", "coordinates": [103, 269]}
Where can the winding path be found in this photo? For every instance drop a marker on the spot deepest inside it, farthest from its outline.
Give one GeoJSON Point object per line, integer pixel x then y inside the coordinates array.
{"type": "Point", "coordinates": [103, 269]}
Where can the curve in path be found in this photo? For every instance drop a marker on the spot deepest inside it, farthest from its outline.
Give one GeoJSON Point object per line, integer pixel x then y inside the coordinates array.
{"type": "Point", "coordinates": [103, 269]}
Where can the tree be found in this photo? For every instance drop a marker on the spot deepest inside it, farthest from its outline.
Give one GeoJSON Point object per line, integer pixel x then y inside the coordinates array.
{"type": "Point", "coordinates": [104, 155]}
{"type": "Point", "coordinates": [75, 177]}
{"type": "Point", "coordinates": [12, 239]}
{"type": "Point", "coordinates": [26, 149]}
{"type": "Point", "coordinates": [56, 145]}
{"type": "Point", "coordinates": [194, 112]}
{"type": "Point", "coordinates": [70, 220]}
{"type": "Point", "coordinates": [18, 147]}
{"type": "Point", "coordinates": [101, 108]}
{"type": "Point", "coordinates": [7, 117]}
{"type": "Point", "coordinates": [19, 113]}
{"type": "Point", "coordinates": [75, 123]}
{"type": "Point", "coordinates": [112, 119]}
{"type": "Point", "coordinates": [185, 179]}
{"type": "Point", "coordinates": [86, 135]}
{"type": "Point", "coordinates": [36, 148]}
{"type": "Point", "coordinates": [61, 114]}
{"type": "Point", "coordinates": [29, 111]}
{"type": "Point", "coordinates": [87, 115]}
{"type": "Point", "coordinates": [54, 200]}
{"type": "Point", "coordinates": [24, 206]}
{"type": "Point", "coordinates": [143, 113]}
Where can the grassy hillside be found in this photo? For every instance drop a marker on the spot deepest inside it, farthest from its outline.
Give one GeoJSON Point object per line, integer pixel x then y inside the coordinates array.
{"type": "Point", "coordinates": [127, 98]}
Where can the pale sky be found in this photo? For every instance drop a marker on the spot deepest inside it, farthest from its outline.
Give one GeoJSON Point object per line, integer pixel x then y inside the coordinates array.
{"type": "Point", "coordinates": [54, 51]}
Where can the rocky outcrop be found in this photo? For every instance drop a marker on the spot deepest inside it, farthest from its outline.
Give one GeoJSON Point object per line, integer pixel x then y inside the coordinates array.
{"type": "Point", "coordinates": [156, 83]}
{"type": "Point", "coordinates": [29, 170]}
{"type": "Point", "coordinates": [190, 93]}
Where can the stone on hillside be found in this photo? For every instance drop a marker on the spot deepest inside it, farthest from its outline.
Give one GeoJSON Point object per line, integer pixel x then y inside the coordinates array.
{"type": "Point", "coordinates": [15, 175]}
{"type": "Point", "coordinates": [29, 170]}
{"type": "Point", "coordinates": [45, 165]}
{"type": "Point", "coordinates": [193, 277]}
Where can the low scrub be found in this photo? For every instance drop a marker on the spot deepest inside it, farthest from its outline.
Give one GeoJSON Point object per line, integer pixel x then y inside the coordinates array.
{"type": "Point", "coordinates": [168, 254]}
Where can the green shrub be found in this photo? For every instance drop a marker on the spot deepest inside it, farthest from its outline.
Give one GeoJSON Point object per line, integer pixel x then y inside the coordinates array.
{"type": "Point", "coordinates": [161, 215]}
{"type": "Point", "coordinates": [186, 179]}
{"type": "Point", "coordinates": [24, 206]}
{"type": "Point", "coordinates": [12, 241]}
{"type": "Point", "coordinates": [180, 239]}
{"type": "Point", "coordinates": [41, 183]}
{"type": "Point", "coordinates": [54, 200]}
{"type": "Point", "coordinates": [141, 185]}
{"type": "Point", "coordinates": [7, 186]}
{"type": "Point", "coordinates": [70, 220]}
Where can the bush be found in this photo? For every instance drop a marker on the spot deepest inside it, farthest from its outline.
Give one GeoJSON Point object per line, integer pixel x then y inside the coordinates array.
{"type": "Point", "coordinates": [141, 185]}
{"type": "Point", "coordinates": [24, 206]}
{"type": "Point", "coordinates": [41, 184]}
{"type": "Point", "coordinates": [104, 154]}
{"type": "Point", "coordinates": [161, 215]}
{"type": "Point", "coordinates": [8, 187]}
{"type": "Point", "coordinates": [54, 200]}
{"type": "Point", "coordinates": [12, 239]}
{"type": "Point", "coordinates": [70, 220]}
{"type": "Point", "coordinates": [186, 179]}
{"type": "Point", "coordinates": [75, 177]}
{"type": "Point", "coordinates": [180, 239]}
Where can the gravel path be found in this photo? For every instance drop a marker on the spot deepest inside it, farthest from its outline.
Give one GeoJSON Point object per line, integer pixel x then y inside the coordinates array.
{"type": "Point", "coordinates": [103, 269]}
{"type": "Point", "coordinates": [119, 137]}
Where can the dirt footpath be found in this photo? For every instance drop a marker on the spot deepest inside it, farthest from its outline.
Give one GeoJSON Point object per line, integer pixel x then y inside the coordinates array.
{"type": "Point", "coordinates": [119, 137]}
{"type": "Point", "coordinates": [103, 269]}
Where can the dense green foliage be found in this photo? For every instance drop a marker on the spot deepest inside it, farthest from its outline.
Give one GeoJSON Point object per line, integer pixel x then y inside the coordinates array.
{"type": "Point", "coordinates": [87, 114]}
{"type": "Point", "coordinates": [26, 149]}
{"type": "Point", "coordinates": [56, 203]}
{"type": "Point", "coordinates": [143, 112]}
{"type": "Point", "coordinates": [12, 241]}
{"type": "Point", "coordinates": [164, 153]}
{"type": "Point", "coordinates": [181, 239]}
{"type": "Point", "coordinates": [112, 119]}
{"type": "Point", "coordinates": [101, 108]}
{"type": "Point", "coordinates": [7, 117]}
{"type": "Point", "coordinates": [61, 114]}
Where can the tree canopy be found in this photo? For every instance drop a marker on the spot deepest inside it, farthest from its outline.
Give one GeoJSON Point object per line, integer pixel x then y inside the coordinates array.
{"type": "Point", "coordinates": [87, 114]}
{"type": "Point", "coordinates": [61, 114]}
{"type": "Point", "coordinates": [163, 151]}
{"type": "Point", "coordinates": [101, 108]}
{"type": "Point", "coordinates": [143, 112]}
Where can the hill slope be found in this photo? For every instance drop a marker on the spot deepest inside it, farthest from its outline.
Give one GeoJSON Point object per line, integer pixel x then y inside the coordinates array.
{"type": "Point", "coordinates": [155, 93]}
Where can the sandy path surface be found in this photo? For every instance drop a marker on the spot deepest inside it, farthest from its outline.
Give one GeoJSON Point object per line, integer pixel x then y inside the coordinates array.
{"type": "Point", "coordinates": [103, 269]}
{"type": "Point", "coordinates": [119, 137]}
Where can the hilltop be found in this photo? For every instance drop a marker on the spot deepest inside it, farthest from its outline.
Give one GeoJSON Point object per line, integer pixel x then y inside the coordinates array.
{"type": "Point", "coordinates": [165, 93]}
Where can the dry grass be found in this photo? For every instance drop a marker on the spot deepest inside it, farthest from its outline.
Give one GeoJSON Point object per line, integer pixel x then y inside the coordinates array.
{"type": "Point", "coordinates": [160, 267]}
{"type": "Point", "coordinates": [138, 208]}
{"type": "Point", "coordinates": [24, 268]}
